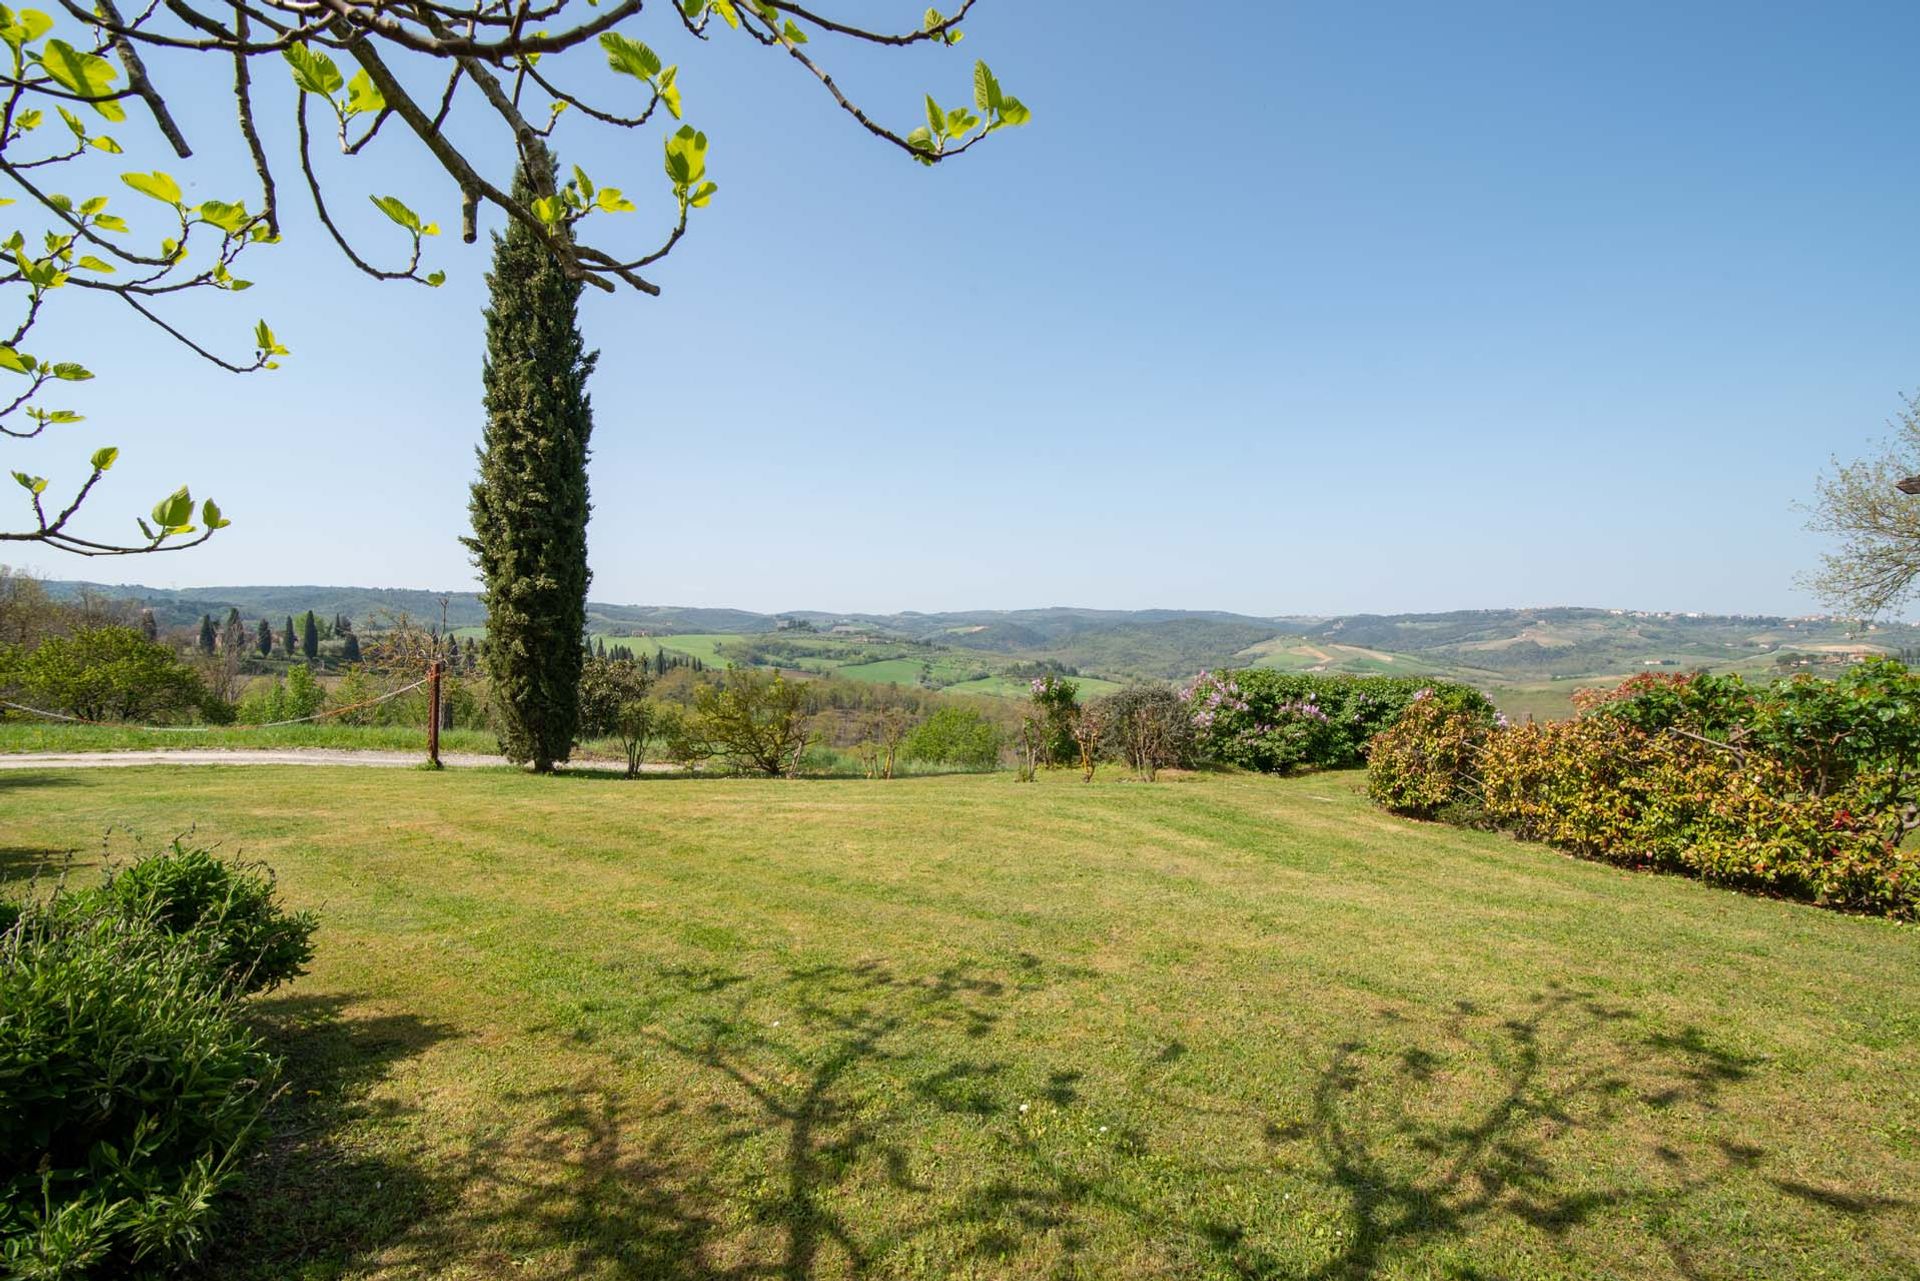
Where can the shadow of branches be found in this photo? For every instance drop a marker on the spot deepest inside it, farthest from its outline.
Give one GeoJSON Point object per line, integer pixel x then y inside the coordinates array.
{"type": "Point", "coordinates": [316, 1192]}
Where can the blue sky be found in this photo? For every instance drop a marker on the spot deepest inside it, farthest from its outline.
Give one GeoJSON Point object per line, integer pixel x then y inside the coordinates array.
{"type": "Point", "coordinates": [1385, 307]}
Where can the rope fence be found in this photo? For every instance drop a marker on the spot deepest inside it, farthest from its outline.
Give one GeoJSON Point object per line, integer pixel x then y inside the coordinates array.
{"type": "Point", "coordinates": [205, 729]}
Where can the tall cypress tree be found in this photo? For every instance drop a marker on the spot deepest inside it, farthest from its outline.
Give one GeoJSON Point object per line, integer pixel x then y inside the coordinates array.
{"type": "Point", "coordinates": [286, 637]}
{"type": "Point", "coordinates": [264, 641]}
{"type": "Point", "coordinates": [310, 636]}
{"type": "Point", "coordinates": [530, 505]}
{"type": "Point", "coordinates": [206, 633]}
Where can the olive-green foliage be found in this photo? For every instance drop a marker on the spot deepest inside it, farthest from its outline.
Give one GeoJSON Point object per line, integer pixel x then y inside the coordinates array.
{"type": "Point", "coordinates": [957, 736]}
{"type": "Point", "coordinates": [129, 1085]}
{"type": "Point", "coordinates": [529, 506]}
{"type": "Point", "coordinates": [756, 721]}
{"type": "Point", "coordinates": [613, 702]}
{"type": "Point", "coordinates": [267, 701]}
{"type": "Point", "coordinates": [106, 674]}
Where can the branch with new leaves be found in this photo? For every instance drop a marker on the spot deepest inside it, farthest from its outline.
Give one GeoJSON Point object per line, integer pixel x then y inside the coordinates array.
{"type": "Point", "coordinates": [386, 72]}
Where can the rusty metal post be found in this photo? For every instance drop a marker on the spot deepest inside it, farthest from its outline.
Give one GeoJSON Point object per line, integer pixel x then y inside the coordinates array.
{"type": "Point", "coordinates": [433, 712]}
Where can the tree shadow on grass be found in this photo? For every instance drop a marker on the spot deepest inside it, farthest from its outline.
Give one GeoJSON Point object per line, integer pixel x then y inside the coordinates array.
{"type": "Point", "coordinates": [585, 1182]}
{"type": "Point", "coordinates": [816, 1097]}
{"type": "Point", "coordinates": [1418, 1167]}
{"type": "Point", "coordinates": [1424, 1152]}
{"type": "Point", "coordinates": [317, 1193]}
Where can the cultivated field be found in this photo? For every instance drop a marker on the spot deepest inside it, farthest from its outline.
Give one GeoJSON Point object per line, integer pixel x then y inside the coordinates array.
{"type": "Point", "coordinates": [1220, 1026]}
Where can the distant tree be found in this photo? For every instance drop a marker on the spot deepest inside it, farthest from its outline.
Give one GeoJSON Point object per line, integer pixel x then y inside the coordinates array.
{"type": "Point", "coordinates": [680, 736]}
{"type": "Point", "coordinates": [1876, 568]}
{"type": "Point", "coordinates": [613, 702]}
{"type": "Point", "coordinates": [1089, 726]}
{"type": "Point", "coordinates": [264, 640]}
{"type": "Point", "coordinates": [310, 637]}
{"type": "Point", "coordinates": [350, 648]}
{"type": "Point", "coordinates": [287, 642]}
{"type": "Point", "coordinates": [1056, 705]}
{"type": "Point", "coordinates": [757, 721]}
{"type": "Point", "coordinates": [530, 505]}
{"type": "Point", "coordinates": [1149, 726]}
{"type": "Point", "coordinates": [207, 640]}
{"type": "Point", "coordinates": [955, 736]}
{"type": "Point", "coordinates": [149, 625]}
{"type": "Point", "coordinates": [27, 612]}
{"type": "Point", "coordinates": [600, 647]}
{"type": "Point", "coordinates": [109, 674]}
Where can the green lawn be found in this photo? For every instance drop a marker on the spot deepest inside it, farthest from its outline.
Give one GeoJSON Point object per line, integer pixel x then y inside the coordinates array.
{"type": "Point", "coordinates": [1219, 1026]}
{"type": "Point", "coordinates": [55, 736]}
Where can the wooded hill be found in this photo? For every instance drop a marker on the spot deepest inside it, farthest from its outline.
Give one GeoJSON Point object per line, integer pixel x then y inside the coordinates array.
{"type": "Point", "coordinates": [1498, 645]}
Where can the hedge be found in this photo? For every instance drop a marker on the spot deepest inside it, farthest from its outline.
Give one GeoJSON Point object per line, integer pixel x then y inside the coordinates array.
{"type": "Point", "coordinates": [1279, 721]}
{"type": "Point", "coordinates": [1802, 788]}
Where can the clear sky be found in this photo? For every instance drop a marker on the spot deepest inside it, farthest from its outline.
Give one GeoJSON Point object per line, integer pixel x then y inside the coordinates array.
{"type": "Point", "coordinates": [1389, 307]}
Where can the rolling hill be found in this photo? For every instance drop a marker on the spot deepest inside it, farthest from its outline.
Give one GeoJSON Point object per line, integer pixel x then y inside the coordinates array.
{"type": "Point", "coordinates": [1530, 660]}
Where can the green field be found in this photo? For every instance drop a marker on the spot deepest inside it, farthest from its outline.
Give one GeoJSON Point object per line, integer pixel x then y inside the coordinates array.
{"type": "Point", "coordinates": [1220, 1026]}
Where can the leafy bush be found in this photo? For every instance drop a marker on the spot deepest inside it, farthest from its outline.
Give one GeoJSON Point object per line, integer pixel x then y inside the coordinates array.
{"type": "Point", "coordinates": [1055, 707]}
{"type": "Point", "coordinates": [756, 721]}
{"type": "Point", "coordinates": [298, 696]}
{"type": "Point", "coordinates": [1149, 726]}
{"type": "Point", "coordinates": [1424, 763]}
{"type": "Point", "coordinates": [1279, 721]}
{"type": "Point", "coordinates": [253, 945]}
{"type": "Point", "coordinates": [1801, 788]}
{"type": "Point", "coordinates": [106, 674]}
{"type": "Point", "coordinates": [613, 702]}
{"type": "Point", "coordinates": [129, 1086]}
{"type": "Point", "coordinates": [958, 736]}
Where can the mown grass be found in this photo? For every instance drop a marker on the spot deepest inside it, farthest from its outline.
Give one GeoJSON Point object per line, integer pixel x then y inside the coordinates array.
{"type": "Point", "coordinates": [50, 736]}
{"type": "Point", "coordinates": [1218, 1026]}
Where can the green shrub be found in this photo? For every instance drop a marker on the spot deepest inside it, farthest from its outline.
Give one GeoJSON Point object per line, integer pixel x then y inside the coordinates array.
{"type": "Point", "coordinates": [1148, 727]}
{"type": "Point", "coordinates": [957, 736]}
{"type": "Point", "coordinates": [127, 1091]}
{"type": "Point", "coordinates": [1424, 764]}
{"type": "Point", "coordinates": [1279, 721]}
{"type": "Point", "coordinates": [254, 945]}
{"type": "Point", "coordinates": [1799, 788]}
{"type": "Point", "coordinates": [106, 674]}
{"type": "Point", "coordinates": [129, 1085]}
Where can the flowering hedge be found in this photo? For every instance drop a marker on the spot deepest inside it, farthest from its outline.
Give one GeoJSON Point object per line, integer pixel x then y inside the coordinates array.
{"type": "Point", "coordinates": [1803, 788]}
{"type": "Point", "coordinates": [1279, 721]}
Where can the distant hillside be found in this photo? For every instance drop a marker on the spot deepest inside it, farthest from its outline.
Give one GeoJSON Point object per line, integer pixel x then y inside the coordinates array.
{"type": "Point", "coordinates": [1497, 648]}
{"type": "Point", "coordinates": [184, 607]}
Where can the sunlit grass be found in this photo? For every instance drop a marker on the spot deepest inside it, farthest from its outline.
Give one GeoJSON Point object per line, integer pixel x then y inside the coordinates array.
{"type": "Point", "coordinates": [1217, 1026]}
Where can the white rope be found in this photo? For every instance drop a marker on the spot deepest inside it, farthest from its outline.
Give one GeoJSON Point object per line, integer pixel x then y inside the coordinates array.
{"type": "Point", "coordinates": [206, 729]}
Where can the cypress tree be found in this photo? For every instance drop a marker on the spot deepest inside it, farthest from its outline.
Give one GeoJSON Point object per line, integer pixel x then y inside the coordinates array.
{"type": "Point", "coordinates": [286, 637]}
{"type": "Point", "coordinates": [530, 505]}
{"type": "Point", "coordinates": [264, 642]}
{"type": "Point", "coordinates": [206, 633]}
{"type": "Point", "coordinates": [149, 625]}
{"type": "Point", "coordinates": [310, 637]}
{"type": "Point", "coordinates": [350, 648]}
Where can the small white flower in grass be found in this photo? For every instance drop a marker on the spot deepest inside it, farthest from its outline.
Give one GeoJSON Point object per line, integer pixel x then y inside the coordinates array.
{"type": "Point", "coordinates": [1103, 1129]}
{"type": "Point", "coordinates": [1023, 1107]}
{"type": "Point", "coordinates": [776, 1022]}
